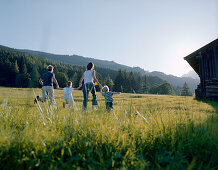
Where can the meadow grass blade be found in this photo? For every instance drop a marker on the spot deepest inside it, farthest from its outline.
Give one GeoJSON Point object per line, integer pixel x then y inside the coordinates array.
{"type": "Point", "coordinates": [168, 132]}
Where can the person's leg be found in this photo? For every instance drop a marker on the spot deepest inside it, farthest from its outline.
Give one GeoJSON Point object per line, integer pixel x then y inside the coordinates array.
{"type": "Point", "coordinates": [107, 105]}
{"type": "Point", "coordinates": [65, 102]}
{"type": "Point", "coordinates": [71, 101]}
{"type": "Point", "coordinates": [50, 91]}
{"type": "Point", "coordinates": [85, 95]}
{"type": "Point", "coordinates": [111, 105]}
{"type": "Point", "coordinates": [94, 97]}
{"type": "Point", "coordinates": [44, 94]}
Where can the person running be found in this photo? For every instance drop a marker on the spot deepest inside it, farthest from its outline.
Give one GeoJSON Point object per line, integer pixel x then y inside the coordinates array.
{"type": "Point", "coordinates": [47, 81]}
{"type": "Point", "coordinates": [89, 78]}
{"type": "Point", "coordinates": [68, 94]}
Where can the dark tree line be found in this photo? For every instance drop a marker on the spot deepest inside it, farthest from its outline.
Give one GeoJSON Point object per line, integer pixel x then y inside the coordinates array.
{"type": "Point", "coordinates": [129, 82]}
{"type": "Point", "coordinates": [18, 69]}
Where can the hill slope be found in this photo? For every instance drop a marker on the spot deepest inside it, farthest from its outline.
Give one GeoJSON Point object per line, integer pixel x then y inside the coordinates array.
{"type": "Point", "coordinates": [19, 69]}
{"type": "Point", "coordinates": [177, 81]}
{"type": "Point", "coordinates": [82, 61]}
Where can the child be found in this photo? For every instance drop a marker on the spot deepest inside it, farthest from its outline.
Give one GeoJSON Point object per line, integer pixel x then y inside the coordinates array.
{"type": "Point", "coordinates": [108, 97]}
{"type": "Point", "coordinates": [46, 81]}
{"type": "Point", "coordinates": [89, 78]}
{"type": "Point", "coordinates": [68, 94]}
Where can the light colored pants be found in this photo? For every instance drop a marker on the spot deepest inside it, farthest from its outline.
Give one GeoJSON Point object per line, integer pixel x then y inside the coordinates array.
{"type": "Point", "coordinates": [48, 92]}
{"type": "Point", "coordinates": [70, 101]}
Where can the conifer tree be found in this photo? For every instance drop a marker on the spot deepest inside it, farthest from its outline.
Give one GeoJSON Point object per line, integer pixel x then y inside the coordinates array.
{"type": "Point", "coordinates": [62, 79]}
{"type": "Point", "coordinates": [132, 82]}
{"type": "Point", "coordinates": [34, 78]}
{"type": "Point", "coordinates": [145, 87]}
{"type": "Point", "coordinates": [185, 90]}
{"type": "Point", "coordinates": [118, 82]}
{"type": "Point", "coordinates": [75, 80]}
{"type": "Point", "coordinates": [15, 67]}
{"type": "Point", "coordinates": [125, 83]}
{"type": "Point", "coordinates": [24, 69]}
{"type": "Point", "coordinates": [139, 85]}
{"type": "Point", "coordinates": [109, 82]}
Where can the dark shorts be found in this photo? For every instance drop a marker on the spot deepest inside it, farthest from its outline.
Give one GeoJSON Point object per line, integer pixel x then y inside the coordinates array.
{"type": "Point", "coordinates": [109, 105]}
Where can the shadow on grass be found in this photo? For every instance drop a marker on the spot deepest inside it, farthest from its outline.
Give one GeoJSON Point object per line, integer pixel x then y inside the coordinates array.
{"type": "Point", "coordinates": [213, 103]}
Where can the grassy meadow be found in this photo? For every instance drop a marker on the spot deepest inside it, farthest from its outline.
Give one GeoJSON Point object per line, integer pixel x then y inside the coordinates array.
{"type": "Point", "coordinates": [142, 132]}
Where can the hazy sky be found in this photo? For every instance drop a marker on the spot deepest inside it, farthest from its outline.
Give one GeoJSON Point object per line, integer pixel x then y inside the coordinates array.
{"type": "Point", "coordinates": [152, 34]}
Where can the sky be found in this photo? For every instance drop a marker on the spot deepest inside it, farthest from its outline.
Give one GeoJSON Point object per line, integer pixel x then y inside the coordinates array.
{"type": "Point", "coordinates": [155, 35]}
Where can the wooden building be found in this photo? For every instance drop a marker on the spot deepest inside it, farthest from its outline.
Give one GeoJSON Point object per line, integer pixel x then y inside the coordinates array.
{"type": "Point", "coordinates": [205, 63]}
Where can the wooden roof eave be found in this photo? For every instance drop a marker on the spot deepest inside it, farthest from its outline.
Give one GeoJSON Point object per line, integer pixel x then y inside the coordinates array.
{"type": "Point", "coordinates": [193, 58]}
{"type": "Point", "coordinates": [194, 63]}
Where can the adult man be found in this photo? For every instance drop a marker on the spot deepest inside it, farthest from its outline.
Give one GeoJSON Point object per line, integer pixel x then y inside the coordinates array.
{"type": "Point", "coordinates": [46, 81]}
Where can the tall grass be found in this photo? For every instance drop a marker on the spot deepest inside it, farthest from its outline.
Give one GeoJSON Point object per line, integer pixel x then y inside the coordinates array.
{"type": "Point", "coordinates": [142, 132]}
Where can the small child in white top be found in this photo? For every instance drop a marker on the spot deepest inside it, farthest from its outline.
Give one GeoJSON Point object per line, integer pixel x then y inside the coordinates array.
{"type": "Point", "coordinates": [68, 94]}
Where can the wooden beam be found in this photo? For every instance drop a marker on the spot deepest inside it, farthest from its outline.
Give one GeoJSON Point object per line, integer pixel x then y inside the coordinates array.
{"type": "Point", "coordinates": [215, 52]}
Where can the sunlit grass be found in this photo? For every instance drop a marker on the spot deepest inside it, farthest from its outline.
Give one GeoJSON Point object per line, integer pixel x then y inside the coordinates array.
{"type": "Point", "coordinates": [142, 132]}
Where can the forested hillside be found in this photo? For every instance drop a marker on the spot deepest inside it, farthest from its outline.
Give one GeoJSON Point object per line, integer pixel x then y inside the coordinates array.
{"type": "Point", "coordinates": [80, 60]}
{"type": "Point", "coordinates": [20, 69]}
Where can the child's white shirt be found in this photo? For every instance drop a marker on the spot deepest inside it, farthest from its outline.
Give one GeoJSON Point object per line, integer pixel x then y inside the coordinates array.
{"type": "Point", "coordinates": [68, 92]}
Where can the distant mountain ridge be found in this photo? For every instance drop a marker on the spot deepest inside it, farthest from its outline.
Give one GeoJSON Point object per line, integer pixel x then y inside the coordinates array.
{"type": "Point", "coordinates": [177, 81]}
{"type": "Point", "coordinates": [82, 61]}
{"type": "Point", "coordinates": [191, 74]}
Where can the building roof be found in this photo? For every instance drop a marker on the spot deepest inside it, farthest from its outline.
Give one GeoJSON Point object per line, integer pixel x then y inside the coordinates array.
{"type": "Point", "coordinates": [192, 58]}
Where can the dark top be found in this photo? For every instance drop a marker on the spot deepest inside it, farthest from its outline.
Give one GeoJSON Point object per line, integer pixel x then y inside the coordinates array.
{"type": "Point", "coordinates": [108, 96]}
{"type": "Point", "coordinates": [48, 79]}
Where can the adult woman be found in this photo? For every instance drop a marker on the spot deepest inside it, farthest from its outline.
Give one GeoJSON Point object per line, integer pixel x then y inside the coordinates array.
{"type": "Point", "coordinates": [89, 78]}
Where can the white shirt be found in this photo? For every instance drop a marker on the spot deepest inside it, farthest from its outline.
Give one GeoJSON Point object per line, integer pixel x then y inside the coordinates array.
{"type": "Point", "coordinates": [88, 76]}
{"type": "Point", "coordinates": [68, 92]}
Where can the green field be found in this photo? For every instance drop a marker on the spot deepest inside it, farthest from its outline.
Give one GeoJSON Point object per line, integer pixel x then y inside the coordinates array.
{"type": "Point", "coordinates": [143, 132]}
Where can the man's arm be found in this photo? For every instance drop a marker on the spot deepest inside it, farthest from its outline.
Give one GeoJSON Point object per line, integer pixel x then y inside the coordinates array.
{"type": "Point", "coordinates": [60, 88]}
{"type": "Point", "coordinates": [41, 81]}
{"type": "Point", "coordinates": [56, 82]}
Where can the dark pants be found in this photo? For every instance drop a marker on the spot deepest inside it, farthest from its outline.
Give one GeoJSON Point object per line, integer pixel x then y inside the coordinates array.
{"type": "Point", "coordinates": [109, 106]}
{"type": "Point", "coordinates": [86, 88]}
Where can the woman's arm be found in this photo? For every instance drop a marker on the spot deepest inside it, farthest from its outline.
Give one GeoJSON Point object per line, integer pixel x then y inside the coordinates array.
{"type": "Point", "coordinates": [116, 92]}
{"type": "Point", "coordinates": [101, 91]}
{"type": "Point", "coordinates": [81, 81]}
{"type": "Point", "coordinates": [77, 88]}
{"type": "Point", "coordinates": [95, 79]}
